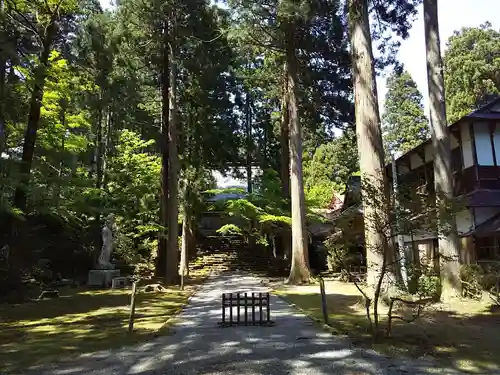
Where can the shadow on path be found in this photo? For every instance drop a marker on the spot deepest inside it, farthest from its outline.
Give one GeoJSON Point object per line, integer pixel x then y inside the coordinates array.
{"type": "Point", "coordinates": [196, 345]}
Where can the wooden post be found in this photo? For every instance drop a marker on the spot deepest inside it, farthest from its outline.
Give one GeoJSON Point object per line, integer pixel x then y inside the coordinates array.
{"type": "Point", "coordinates": [246, 309]}
{"type": "Point", "coordinates": [260, 308]}
{"type": "Point", "coordinates": [230, 308]}
{"type": "Point", "coordinates": [253, 308]}
{"type": "Point", "coordinates": [323, 300]}
{"type": "Point", "coordinates": [268, 307]}
{"type": "Point", "coordinates": [132, 307]}
{"type": "Point", "coordinates": [238, 306]}
{"type": "Point", "coordinates": [223, 308]}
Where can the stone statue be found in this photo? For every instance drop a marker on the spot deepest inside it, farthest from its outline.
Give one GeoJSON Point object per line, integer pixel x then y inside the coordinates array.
{"type": "Point", "coordinates": [107, 244]}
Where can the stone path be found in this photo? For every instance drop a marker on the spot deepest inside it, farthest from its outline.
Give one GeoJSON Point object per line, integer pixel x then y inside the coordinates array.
{"type": "Point", "coordinates": [295, 345]}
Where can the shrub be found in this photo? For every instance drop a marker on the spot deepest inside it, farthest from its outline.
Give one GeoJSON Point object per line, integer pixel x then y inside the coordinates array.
{"type": "Point", "coordinates": [491, 274]}
{"type": "Point", "coordinates": [424, 282]}
{"type": "Point", "coordinates": [429, 285]}
{"type": "Point", "coordinates": [339, 256]}
{"type": "Point", "coordinates": [472, 277]}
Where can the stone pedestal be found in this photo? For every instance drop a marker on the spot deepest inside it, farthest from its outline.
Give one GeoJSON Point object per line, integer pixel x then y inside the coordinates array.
{"type": "Point", "coordinates": [102, 278]}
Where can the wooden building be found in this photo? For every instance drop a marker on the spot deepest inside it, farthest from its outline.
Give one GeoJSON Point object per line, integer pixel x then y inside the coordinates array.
{"type": "Point", "coordinates": [475, 144]}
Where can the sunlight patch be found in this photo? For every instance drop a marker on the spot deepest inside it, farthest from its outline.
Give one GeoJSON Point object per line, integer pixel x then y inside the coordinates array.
{"type": "Point", "coordinates": [330, 354]}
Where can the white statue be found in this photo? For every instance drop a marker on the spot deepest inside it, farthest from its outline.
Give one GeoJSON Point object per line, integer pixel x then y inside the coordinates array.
{"type": "Point", "coordinates": [107, 244]}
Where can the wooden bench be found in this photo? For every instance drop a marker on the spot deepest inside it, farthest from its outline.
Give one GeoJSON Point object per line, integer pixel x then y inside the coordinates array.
{"type": "Point", "coordinates": [246, 305]}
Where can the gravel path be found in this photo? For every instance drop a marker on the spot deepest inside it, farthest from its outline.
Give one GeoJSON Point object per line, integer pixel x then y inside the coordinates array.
{"type": "Point", "coordinates": [295, 345]}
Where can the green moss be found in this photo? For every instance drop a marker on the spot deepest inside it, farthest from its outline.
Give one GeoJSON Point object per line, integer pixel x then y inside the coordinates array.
{"type": "Point", "coordinates": [80, 322]}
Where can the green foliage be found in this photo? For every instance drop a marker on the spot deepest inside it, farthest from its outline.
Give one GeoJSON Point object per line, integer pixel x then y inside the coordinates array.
{"type": "Point", "coordinates": [429, 285]}
{"type": "Point", "coordinates": [471, 276]}
{"type": "Point", "coordinates": [275, 219]}
{"type": "Point", "coordinates": [133, 185]}
{"type": "Point", "coordinates": [404, 123]}
{"type": "Point", "coordinates": [320, 194]}
{"type": "Point", "coordinates": [329, 168]}
{"type": "Point", "coordinates": [229, 229]}
{"type": "Point", "coordinates": [475, 279]}
{"type": "Point", "coordinates": [100, 136]}
{"type": "Point", "coordinates": [339, 257]}
{"type": "Point", "coordinates": [471, 69]}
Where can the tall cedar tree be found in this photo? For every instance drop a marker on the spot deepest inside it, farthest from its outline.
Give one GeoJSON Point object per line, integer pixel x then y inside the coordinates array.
{"type": "Point", "coordinates": [320, 61]}
{"type": "Point", "coordinates": [473, 53]}
{"type": "Point", "coordinates": [173, 162]}
{"type": "Point", "coordinates": [395, 16]}
{"type": "Point", "coordinates": [299, 270]}
{"type": "Point", "coordinates": [404, 123]}
{"type": "Point", "coordinates": [369, 137]}
{"type": "Point", "coordinates": [3, 72]}
{"type": "Point", "coordinates": [447, 229]}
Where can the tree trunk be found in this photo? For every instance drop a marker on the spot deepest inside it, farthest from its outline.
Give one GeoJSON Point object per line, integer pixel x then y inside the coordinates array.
{"type": "Point", "coordinates": [299, 270]}
{"type": "Point", "coordinates": [57, 192]}
{"type": "Point", "coordinates": [286, 235]}
{"type": "Point", "coordinates": [284, 142]}
{"type": "Point", "coordinates": [447, 228]}
{"type": "Point", "coordinates": [286, 238]}
{"type": "Point", "coordinates": [187, 240]}
{"type": "Point", "coordinates": [20, 196]}
{"type": "Point", "coordinates": [107, 146]}
{"type": "Point", "coordinates": [248, 129]}
{"type": "Point", "coordinates": [368, 133]}
{"type": "Point", "coordinates": [172, 257]}
{"type": "Point", "coordinates": [3, 66]}
{"type": "Point", "coordinates": [99, 143]}
{"type": "Point", "coordinates": [161, 259]}
{"type": "Point", "coordinates": [3, 71]}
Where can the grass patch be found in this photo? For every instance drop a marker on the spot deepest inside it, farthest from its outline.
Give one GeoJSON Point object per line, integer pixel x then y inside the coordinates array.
{"type": "Point", "coordinates": [80, 321]}
{"type": "Point", "coordinates": [463, 334]}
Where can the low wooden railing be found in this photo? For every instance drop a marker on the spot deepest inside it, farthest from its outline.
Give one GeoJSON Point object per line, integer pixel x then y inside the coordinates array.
{"type": "Point", "coordinates": [244, 304]}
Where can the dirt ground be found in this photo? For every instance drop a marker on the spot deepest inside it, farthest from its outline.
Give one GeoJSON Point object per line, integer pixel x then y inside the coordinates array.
{"type": "Point", "coordinates": [464, 333]}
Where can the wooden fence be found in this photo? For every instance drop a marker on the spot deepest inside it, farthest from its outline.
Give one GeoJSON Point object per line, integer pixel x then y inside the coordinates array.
{"type": "Point", "coordinates": [251, 309]}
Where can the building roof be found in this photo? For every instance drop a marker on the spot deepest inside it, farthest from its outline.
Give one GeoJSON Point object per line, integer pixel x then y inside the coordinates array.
{"type": "Point", "coordinates": [481, 198]}
{"type": "Point", "coordinates": [489, 111]}
{"type": "Point", "coordinates": [490, 226]}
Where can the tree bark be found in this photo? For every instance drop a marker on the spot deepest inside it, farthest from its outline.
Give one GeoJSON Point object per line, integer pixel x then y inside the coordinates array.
{"type": "Point", "coordinates": [284, 141]}
{"type": "Point", "coordinates": [299, 270]}
{"type": "Point", "coordinates": [161, 259]}
{"type": "Point", "coordinates": [20, 194]}
{"type": "Point", "coordinates": [369, 138]}
{"type": "Point", "coordinates": [172, 257]}
{"type": "Point", "coordinates": [3, 74]}
{"type": "Point", "coordinates": [286, 238]}
{"type": "Point", "coordinates": [99, 143]}
{"type": "Point", "coordinates": [3, 66]}
{"type": "Point", "coordinates": [447, 227]}
{"type": "Point", "coordinates": [108, 144]}
{"type": "Point", "coordinates": [248, 130]}
{"type": "Point", "coordinates": [187, 240]}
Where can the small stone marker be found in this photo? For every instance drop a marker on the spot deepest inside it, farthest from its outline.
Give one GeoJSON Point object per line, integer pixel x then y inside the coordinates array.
{"type": "Point", "coordinates": [119, 282]}
{"type": "Point", "coordinates": [102, 278]}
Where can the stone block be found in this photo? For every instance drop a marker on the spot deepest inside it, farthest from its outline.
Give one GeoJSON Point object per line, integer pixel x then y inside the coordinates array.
{"type": "Point", "coordinates": [102, 278]}
{"type": "Point", "coordinates": [120, 282]}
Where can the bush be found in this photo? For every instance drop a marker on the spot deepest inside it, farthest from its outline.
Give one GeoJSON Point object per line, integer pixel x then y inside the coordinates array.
{"type": "Point", "coordinates": [429, 286]}
{"type": "Point", "coordinates": [424, 282]}
{"type": "Point", "coordinates": [472, 276]}
{"type": "Point", "coordinates": [339, 256]}
{"type": "Point", "coordinates": [490, 276]}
